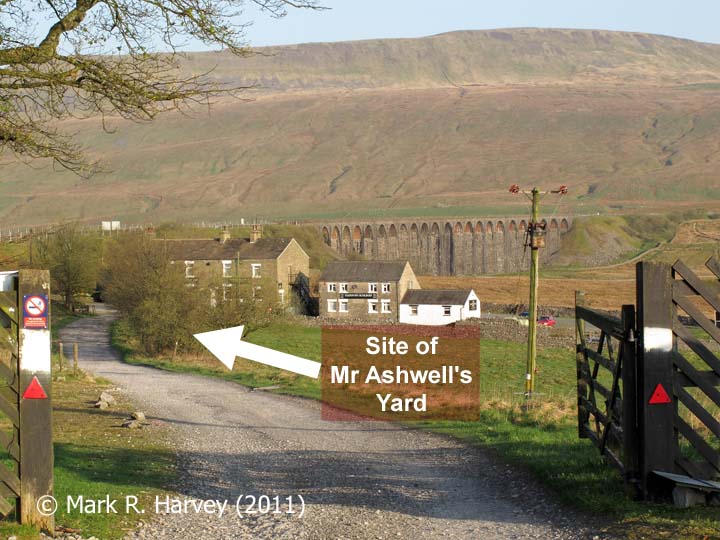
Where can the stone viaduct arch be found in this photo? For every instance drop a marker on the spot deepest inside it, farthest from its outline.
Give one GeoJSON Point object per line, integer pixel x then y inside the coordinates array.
{"type": "Point", "coordinates": [458, 246]}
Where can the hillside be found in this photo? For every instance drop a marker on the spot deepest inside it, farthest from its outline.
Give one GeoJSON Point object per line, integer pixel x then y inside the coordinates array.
{"type": "Point", "coordinates": [629, 121]}
{"type": "Point", "coordinates": [525, 55]}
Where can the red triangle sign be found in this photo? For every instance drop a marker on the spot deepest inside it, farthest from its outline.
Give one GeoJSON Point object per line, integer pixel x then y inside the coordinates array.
{"type": "Point", "coordinates": [34, 390]}
{"type": "Point", "coordinates": [659, 396]}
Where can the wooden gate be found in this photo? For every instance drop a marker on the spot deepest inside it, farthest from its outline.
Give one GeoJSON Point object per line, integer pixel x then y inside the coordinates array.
{"type": "Point", "coordinates": [9, 394]}
{"type": "Point", "coordinates": [649, 393]}
{"type": "Point", "coordinates": [697, 372]}
{"type": "Point", "coordinates": [26, 467]}
{"type": "Point", "coordinates": [606, 384]}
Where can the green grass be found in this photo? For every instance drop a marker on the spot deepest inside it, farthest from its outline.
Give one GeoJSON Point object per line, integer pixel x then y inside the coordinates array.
{"type": "Point", "coordinates": [543, 441]}
{"type": "Point", "coordinates": [14, 255]}
{"type": "Point", "coordinates": [95, 457]}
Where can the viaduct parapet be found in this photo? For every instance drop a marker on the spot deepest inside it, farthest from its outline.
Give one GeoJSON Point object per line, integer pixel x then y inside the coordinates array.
{"type": "Point", "coordinates": [446, 247]}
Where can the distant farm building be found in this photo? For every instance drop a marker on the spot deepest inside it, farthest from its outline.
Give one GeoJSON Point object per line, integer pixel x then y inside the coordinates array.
{"type": "Point", "coordinates": [282, 262]}
{"type": "Point", "coordinates": [365, 290]}
{"type": "Point", "coordinates": [439, 307]}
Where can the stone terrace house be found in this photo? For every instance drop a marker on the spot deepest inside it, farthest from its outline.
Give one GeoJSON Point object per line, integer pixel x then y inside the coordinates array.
{"type": "Point", "coordinates": [281, 261]}
{"type": "Point", "coordinates": [364, 290]}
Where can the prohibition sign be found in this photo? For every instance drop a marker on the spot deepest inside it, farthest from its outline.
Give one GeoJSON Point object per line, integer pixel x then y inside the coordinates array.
{"type": "Point", "coordinates": [35, 306]}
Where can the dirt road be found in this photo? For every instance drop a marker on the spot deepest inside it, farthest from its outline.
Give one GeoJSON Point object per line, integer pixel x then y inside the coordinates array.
{"type": "Point", "coordinates": [359, 480]}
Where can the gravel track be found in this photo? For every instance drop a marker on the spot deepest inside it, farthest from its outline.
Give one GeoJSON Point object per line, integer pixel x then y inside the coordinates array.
{"type": "Point", "coordinates": [359, 480]}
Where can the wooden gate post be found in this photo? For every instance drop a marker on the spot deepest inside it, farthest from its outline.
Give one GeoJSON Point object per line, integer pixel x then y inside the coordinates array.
{"type": "Point", "coordinates": [629, 399]}
{"type": "Point", "coordinates": [580, 362]}
{"type": "Point", "coordinates": [657, 438]}
{"type": "Point", "coordinates": [36, 446]}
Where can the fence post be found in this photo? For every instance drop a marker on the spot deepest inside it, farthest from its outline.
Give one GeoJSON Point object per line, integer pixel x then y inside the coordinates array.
{"type": "Point", "coordinates": [36, 447]}
{"type": "Point", "coordinates": [657, 441]}
{"type": "Point", "coordinates": [75, 357]}
{"type": "Point", "coordinates": [61, 355]}
{"type": "Point", "coordinates": [579, 363]}
{"type": "Point", "coordinates": [629, 403]}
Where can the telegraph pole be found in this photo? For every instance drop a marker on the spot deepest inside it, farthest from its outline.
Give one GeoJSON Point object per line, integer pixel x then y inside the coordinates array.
{"type": "Point", "coordinates": [536, 240]}
{"type": "Point", "coordinates": [536, 234]}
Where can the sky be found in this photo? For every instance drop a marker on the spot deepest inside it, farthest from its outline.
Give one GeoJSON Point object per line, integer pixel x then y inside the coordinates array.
{"type": "Point", "coordinates": [367, 19]}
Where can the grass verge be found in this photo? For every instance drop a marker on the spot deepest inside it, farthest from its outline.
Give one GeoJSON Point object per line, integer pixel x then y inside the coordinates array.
{"type": "Point", "coordinates": [95, 457]}
{"type": "Point", "coordinates": [543, 441]}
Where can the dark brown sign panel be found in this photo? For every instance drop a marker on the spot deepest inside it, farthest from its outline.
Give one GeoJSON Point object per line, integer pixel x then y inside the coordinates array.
{"type": "Point", "coordinates": [401, 373]}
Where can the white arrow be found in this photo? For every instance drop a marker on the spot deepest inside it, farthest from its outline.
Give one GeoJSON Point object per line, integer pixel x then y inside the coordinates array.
{"type": "Point", "coordinates": [227, 344]}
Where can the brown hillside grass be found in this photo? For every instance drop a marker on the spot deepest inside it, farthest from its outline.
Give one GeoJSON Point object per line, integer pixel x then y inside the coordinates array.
{"type": "Point", "coordinates": [438, 151]}
{"type": "Point", "coordinates": [607, 295]}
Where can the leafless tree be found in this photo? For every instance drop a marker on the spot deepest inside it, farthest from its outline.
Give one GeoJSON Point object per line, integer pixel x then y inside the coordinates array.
{"type": "Point", "coordinates": [63, 58]}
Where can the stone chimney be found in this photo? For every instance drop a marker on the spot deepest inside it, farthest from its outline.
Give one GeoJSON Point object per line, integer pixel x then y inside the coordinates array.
{"type": "Point", "coordinates": [255, 233]}
{"type": "Point", "coordinates": [224, 235]}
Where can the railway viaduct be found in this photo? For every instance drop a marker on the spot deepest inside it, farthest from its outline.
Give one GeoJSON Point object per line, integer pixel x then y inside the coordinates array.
{"type": "Point", "coordinates": [458, 246]}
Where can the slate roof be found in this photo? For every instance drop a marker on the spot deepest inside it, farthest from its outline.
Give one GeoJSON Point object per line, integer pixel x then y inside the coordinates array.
{"type": "Point", "coordinates": [265, 248]}
{"type": "Point", "coordinates": [214, 250]}
{"type": "Point", "coordinates": [363, 271]}
{"type": "Point", "coordinates": [452, 297]}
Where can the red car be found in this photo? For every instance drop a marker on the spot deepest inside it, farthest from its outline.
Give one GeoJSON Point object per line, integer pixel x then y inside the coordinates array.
{"type": "Point", "coordinates": [546, 321]}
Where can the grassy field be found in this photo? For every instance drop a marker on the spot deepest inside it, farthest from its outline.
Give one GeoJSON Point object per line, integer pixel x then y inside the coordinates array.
{"type": "Point", "coordinates": [543, 440]}
{"type": "Point", "coordinates": [95, 456]}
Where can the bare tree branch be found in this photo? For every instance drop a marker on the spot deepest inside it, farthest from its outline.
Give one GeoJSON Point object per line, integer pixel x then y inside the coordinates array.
{"type": "Point", "coordinates": [98, 57]}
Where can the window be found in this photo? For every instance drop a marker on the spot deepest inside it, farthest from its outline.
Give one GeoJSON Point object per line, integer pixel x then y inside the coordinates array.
{"type": "Point", "coordinates": [413, 309]}
{"type": "Point", "coordinates": [447, 310]}
{"type": "Point", "coordinates": [282, 296]}
{"type": "Point", "coordinates": [226, 290]}
{"type": "Point", "coordinates": [473, 305]}
{"type": "Point", "coordinates": [343, 306]}
{"type": "Point", "coordinates": [256, 269]}
{"type": "Point", "coordinates": [385, 306]}
{"type": "Point", "coordinates": [332, 306]}
{"type": "Point", "coordinates": [189, 265]}
{"type": "Point", "coordinates": [372, 287]}
{"type": "Point", "coordinates": [227, 268]}
{"type": "Point", "coordinates": [332, 287]}
{"type": "Point", "coordinates": [385, 288]}
{"type": "Point", "coordinates": [372, 306]}
{"type": "Point", "coordinates": [343, 287]}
